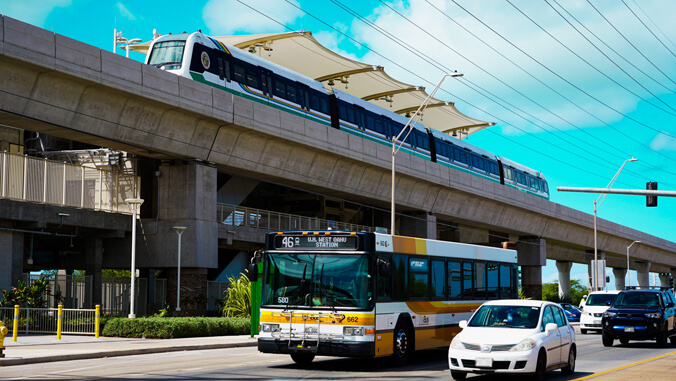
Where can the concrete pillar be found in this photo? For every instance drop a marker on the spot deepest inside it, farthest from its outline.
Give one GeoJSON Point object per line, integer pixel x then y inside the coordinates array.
{"type": "Point", "coordinates": [420, 225]}
{"type": "Point", "coordinates": [93, 261]}
{"type": "Point", "coordinates": [11, 259]}
{"type": "Point", "coordinates": [564, 279]}
{"type": "Point", "coordinates": [664, 279]}
{"type": "Point", "coordinates": [620, 274]}
{"type": "Point", "coordinates": [532, 255]}
{"type": "Point", "coordinates": [643, 273]}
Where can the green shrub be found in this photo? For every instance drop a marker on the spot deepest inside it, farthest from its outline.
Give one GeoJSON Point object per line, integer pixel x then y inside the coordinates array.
{"type": "Point", "coordinates": [175, 327]}
{"type": "Point", "coordinates": [238, 297]}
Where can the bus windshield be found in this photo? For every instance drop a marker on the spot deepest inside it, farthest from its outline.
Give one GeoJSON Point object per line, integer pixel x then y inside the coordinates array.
{"type": "Point", "coordinates": [317, 280]}
{"type": "Point", "coordinates": [167, 53]}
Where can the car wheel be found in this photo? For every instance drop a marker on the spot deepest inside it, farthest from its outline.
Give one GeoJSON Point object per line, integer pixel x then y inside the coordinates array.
{"type": "Point", "coordinates": [570, 366]}
{"type": "Point", "coordinates": [624, 340]}
{"type": "Point", "coordinates": [402, 343]}
{"type": "Point", "coordinates": [302, 358]}
{"type": "Point", "coordinates": [540, 367]}
{"type": "Point", "coordinates": [607, 339]}
{"type": "Point", "coordinates": [583, 331]}
{"type": "Point", "coordinates": [458, 375]}
{"type": "Point", "coordinates": [661, 339]}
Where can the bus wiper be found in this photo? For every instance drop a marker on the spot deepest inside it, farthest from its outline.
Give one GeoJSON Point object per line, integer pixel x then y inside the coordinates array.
{"type": "Point", "coordinates": [300, 285]}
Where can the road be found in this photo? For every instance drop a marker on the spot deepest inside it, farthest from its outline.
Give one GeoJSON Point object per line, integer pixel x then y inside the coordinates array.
{"type": "Point", "coordinates": [249, 364]}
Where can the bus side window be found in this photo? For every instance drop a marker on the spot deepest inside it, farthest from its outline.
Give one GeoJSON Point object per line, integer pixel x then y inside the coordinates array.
{"type": "Point", "coordinates": [454, 280]}
{"type": "Point", "coordinates": [480, 280]}
{"type": "Point", "coordinates": [437, 280]}
{"type": "Point", "coordinates": [419, 277]}
{"type": "Point", "coordinates": [467, 280]}
{"type": "Point", "coordinates": [384, 282]}
{"type": "Point", "coordinates": [492, 280]}
{"type": "Point", "coordinates": [399, 278]}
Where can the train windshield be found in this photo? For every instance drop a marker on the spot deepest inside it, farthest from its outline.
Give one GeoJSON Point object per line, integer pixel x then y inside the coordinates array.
{"type": "Point", "coordinates": [317, 280]}
{"type": "Point", "coordinates": [167, 54]}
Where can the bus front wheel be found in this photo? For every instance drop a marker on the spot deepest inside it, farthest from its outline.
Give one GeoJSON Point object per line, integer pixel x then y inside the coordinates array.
{"type": "Point", "coordinates": [403, 342]}
{"type": "Point", "coordinates": [302, 358]}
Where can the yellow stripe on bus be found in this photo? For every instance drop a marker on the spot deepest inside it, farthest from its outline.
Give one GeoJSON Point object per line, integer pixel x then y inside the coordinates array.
{"type": "Point", "coordinates": [433, 308]}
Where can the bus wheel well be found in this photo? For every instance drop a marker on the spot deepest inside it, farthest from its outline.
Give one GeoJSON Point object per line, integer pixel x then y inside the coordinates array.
{"type": "Point", "coordinates": [406, 319]}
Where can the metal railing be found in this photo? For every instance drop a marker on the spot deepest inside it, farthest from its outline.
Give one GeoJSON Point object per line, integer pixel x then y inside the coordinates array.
{"type": "Point", "coordinates": [44, 320]}
{"type": "Point", "coordinates": [27, 178]}
{"type": "Point", "coordinates": [234, 215]}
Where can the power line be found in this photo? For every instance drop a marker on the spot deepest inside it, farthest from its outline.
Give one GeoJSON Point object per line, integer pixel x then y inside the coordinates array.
{"type": "Point", "coordinates": [651, 32]}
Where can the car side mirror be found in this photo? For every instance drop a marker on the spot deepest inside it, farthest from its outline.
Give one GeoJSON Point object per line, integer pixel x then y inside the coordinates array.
{"type": "Point", "coordinates": [550, 327]}
{"type": "Point", "coordinates": [462, 324]}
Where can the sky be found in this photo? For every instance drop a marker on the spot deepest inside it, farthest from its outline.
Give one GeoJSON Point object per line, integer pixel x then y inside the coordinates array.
{"type": "Point", "coordinates": [575, 87]}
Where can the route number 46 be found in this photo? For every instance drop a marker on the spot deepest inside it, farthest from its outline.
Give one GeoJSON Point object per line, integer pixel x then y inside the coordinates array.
{"type": "Point", "coordinates": [288, 242]}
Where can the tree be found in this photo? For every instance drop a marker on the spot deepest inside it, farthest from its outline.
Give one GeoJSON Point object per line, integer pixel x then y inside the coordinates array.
{"type": "Point", "coordinates": [550, 292]}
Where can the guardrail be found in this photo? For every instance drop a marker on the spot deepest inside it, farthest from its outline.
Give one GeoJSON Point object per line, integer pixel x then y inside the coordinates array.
{"type": "Point", "coordinates": [45, 320]}
{"type": "Point", "coordinates": [234, 215]}
{"type": "Point", "coordinates": [28, 178]}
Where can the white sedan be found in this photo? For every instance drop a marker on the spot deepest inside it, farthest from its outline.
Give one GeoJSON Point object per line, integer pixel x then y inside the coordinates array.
{"type": "Point", "coordinates": [514, 336]}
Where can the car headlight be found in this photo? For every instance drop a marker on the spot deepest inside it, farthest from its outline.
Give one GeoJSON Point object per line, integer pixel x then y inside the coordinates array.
{"type": "Point", "coordinates": [457, 344]}
{"type": "Point", "coordinates": [524, 345]}
{"type": "Point", "coordinates": [654, 315]}
{"type": "Point", "coordinates": [609, 314]}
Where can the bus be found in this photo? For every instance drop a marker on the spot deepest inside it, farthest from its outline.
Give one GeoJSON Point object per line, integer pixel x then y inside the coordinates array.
{"type": "Point", "coordinates": [362, 294]}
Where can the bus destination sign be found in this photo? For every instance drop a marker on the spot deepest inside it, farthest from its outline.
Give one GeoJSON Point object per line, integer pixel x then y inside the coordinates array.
{"type": "Point", "coordinates": [317, 242]}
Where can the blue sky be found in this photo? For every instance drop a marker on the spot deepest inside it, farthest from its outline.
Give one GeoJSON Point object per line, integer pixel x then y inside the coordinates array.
{"type": "Point", "coordinates": [571, 107]}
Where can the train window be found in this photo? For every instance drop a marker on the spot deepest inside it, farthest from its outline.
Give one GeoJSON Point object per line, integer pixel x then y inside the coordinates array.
{"type": "Point", "coordinates": [314, 102]}
{"type": "Point", "coordinates": [291, 94]}
{"type": "Point", "coordinates": [418, 277]}
{"type": "Point", "coordinates": [342, 110]}
{"type": "Point", "coordinates": [350, 115]}
{"type": "Point", "coordinates": [509, 174]}
{"type": "Point", "coordinates": [280, 89]}
{"type": "Point", "coordinates": [240, 75]}
{"type": "Point", "coordinates": [520, 177]}
{"type": "Point", "coordinates": [422, 141]}
{"type": "Point", "coordinates": [324, 104]}
{"type": "Point", "coordinates": [493, 168]}
{"type": "Point", "coordinates": [252, 80]}
{"type": "Point", "coordinates": [221, 69]}
{"type": "Point", "coordinates": [533, 183]}
{"type": "Point", "coordinates": [378, 124]}
{"type": "Point", "coordinates": [454, 280]}
{"type": "Point", "coordinates": [461, 156]}
{"type": "Point", "coordinates": [370, 123]}
{"type": "Point", "coordinates": [543, 186]}
{"type": "Point", "coordinates": [478, 162]}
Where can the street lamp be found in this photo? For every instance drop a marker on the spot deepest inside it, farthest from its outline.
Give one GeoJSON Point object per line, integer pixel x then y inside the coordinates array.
{"type": "Point", "coordinates": [134, 204]}
{"type": "Point", "coordinates": [179, 230]}
{"type": "Point", "coordinates": [118, 39]}
{"type": "Point", "coordinates": [628, 247]}
{"type": "Point", "coordinates": [597, 204]}
{"type": "Point", "coordinates": [396, 149]}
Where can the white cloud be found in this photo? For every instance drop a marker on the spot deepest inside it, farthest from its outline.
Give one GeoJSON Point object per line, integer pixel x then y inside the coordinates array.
{"type": "Point", "coordinates": [663, 143]}
{"type": "Point", "coordinates": [32, 12]}
{"type": "Point", "coordinates": [124, 12]}
{"type": "Point", "coordinates": [226, 17]}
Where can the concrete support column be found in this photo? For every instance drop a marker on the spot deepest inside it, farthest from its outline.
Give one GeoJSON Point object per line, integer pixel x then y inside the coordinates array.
{"type": "Point", "coordinates": [643, 273]}
{"type": "Point", "coordinates": [11, 259]}
{"type": "Point", "coordinates": [619, 274]}
{"type": "Point", "coordinates": [152, 292]}
{"type": "Point", "coordinates": [414, 227]}
{"type": "Point", "coordinates": [93, 261]}
{"type": "Point", "coordinates": [664, 279]}
{"type": "Point", "coordinates": [532, 255]}
{"type": "Point", "coordinates": [564, 279]}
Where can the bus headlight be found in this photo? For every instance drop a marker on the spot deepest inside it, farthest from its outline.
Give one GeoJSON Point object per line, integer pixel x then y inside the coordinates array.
{"type": "Point", "coordinates": [269, 327]}
{"type": "Point", "coordinates": [353, 331]}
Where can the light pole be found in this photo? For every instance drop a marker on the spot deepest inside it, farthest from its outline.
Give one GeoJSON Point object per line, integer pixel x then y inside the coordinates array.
{"type": "Point", "coordinates": [597, 204]}
{"type": "Point", "coordinates": [179, 230]}
{"type": "Point", "coordinates": [123, 40]}
{"type": "Point", "coordinates": [134, 204]}
{"type": "Point", "coordinates": [396, 149]}
{"type": "Point", "coordinates": [629, 247]}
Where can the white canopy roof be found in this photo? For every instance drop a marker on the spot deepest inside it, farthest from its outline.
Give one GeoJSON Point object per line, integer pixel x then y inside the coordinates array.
{"type": "Point", "coordinates": [300, 52]}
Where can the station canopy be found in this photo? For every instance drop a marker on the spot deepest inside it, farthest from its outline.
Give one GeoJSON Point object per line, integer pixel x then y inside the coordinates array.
{"type": "Point", "coordinates": [300, 52]}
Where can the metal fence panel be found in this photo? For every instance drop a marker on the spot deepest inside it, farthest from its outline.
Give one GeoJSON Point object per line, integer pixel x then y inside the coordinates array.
{"type": "Point", "coordinates": [45, 320]}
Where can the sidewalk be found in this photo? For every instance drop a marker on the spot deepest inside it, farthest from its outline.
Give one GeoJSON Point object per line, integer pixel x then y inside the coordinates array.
{"type": "Point", "coordinates": [30, 349]}
{"type": "Point", "coordinates": [657, 368]}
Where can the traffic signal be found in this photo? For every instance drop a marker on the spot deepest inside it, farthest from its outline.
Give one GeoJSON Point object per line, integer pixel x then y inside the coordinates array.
{"type": "Point", "coordinates": [651, 200]}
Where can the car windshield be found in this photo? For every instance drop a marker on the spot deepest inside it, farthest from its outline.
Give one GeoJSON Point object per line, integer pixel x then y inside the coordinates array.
{"type": "Point", "coordinates": [506, 316]}
{"type": "Point", "coordinates": [317, 280]}
{"type": "Point", "coordinates": [568, 307]}
{"type": "Point", "coordinates": [600, 299]}
{"type": "Point", "coordinates": [637, 299]}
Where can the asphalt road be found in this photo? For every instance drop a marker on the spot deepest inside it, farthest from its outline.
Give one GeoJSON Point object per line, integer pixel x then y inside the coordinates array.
{"type": "Point", "coordinates": [249, 364]}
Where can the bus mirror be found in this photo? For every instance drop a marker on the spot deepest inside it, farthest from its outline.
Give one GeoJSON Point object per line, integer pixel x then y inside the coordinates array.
{"type": "Point", "coordinates": [252, 272]}
{"type": "Point", "coordinates": [384, 268]}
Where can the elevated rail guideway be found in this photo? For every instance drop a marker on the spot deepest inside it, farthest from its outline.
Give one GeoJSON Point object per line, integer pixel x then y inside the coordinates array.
{"type": "Point", "coordinates": [54, 85]}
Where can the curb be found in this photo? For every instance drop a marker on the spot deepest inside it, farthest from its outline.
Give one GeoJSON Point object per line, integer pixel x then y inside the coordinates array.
{"type": "Point", "coordinates": [118, 353]}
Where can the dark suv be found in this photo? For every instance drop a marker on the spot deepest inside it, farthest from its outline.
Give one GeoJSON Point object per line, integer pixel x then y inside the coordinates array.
{"type": "Point", "coordinates": [642, 314]}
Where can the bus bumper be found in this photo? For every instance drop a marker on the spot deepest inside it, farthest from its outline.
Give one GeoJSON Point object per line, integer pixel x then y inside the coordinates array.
{"type": "Point", "coordinates": [325, 348]}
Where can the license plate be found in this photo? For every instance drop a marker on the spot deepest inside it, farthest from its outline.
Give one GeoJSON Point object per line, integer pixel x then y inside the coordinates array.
{"type": "Point", "coordinates": [597, 321]}
{"type": "Point", "coordinates": [485, 362]}
{"type": "Point", "coordinates": [628, 329]}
